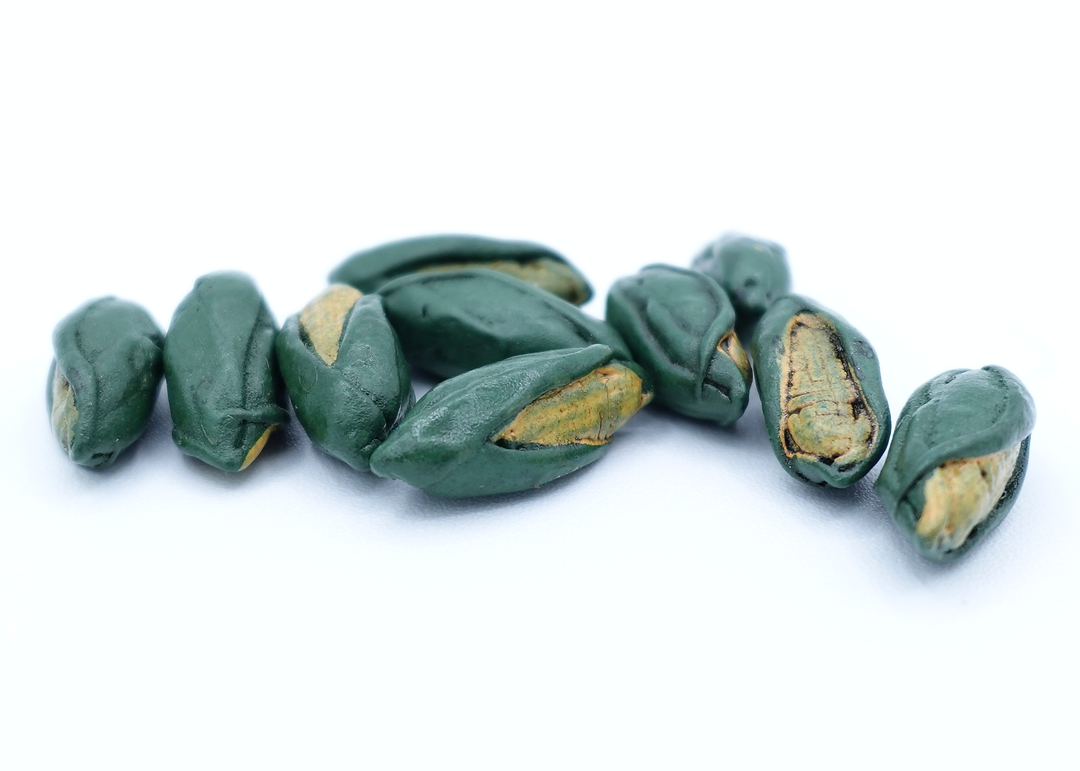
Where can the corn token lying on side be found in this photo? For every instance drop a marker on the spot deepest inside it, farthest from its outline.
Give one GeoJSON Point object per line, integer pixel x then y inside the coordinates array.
{"type": "Point", "coordinates": [957, 459]}
{"type": "Point", "coordinates": [103, 380]}
{"type": "Point", "coordinates": [753, 272]}
{"type": "Point", "coordinates": [452, 322]}
{"type": "Point", "coordinates": [221, 372]}
{"type": "Point", "coordinates": [532, 263]}
{"type": "Point", "coordinates": [679, 326]}
{"type": "Point", "coordinates": [513, 425]}
{"type": "Point", "coordinates": [821, 394]}
{"type": "Point", "coordinates": [345, 373]}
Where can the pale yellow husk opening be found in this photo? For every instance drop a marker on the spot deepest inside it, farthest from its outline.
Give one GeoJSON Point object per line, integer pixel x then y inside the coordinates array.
{"type": "Point", "coordinates": [64, 412]}
{"type": "Point", "coordinates": [324, 317]}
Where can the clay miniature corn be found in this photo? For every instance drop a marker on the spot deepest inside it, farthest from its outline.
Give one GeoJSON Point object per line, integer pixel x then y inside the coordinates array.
{"type": "Point", "coordinates": [753, 272]}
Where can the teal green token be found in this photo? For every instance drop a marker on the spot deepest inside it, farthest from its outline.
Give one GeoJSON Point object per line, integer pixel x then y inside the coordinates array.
{"type": "Point", "coordinates": [679, 325]}
{"type": "Point", "coordinates": [103, 380]}
{"type": "Point", "coordinates": [821, 395]}
{"type": "Point", "coordinates": [345, 373]}
{"type": "Point", "coordinates": [535, 264]}
{"type": "Point", "coordinates": [753, 272]}
{"type": "Point", "coordinates": [221, 372]}
{"type": "Point", "coordinates": [459, 320]}
{"type": "Point", "coordinates": [513, 425]}
{"type": "Point", "coordinates": [957, 459]}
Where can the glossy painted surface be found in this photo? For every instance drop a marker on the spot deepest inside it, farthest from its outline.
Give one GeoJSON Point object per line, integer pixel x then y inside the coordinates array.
{"type": "Point", "coordinates": [104, 379]}
{"type": "Point", "coordinates": [454, 443]}
{"type": "Point", "coordinates": [221, 372]}
{"type": "Point", "coordinates": [535, 264]}
{"type": "Point", "coordinates": [821, 395]}
{"type": "Point", "coordinates": [958, 415]}
{"type": "Point", "coordinates": [679, 325]}
{"type": "Point", "coordinates": [452, 322]}
{"type": "Point", "coordinates": [753, 272]}
{"type": "Point", "coordinates": [348, 402]}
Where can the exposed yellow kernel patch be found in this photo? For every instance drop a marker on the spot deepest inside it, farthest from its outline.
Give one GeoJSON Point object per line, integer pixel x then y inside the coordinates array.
{"type": "Point", "coordinates": [324, 318]}
{"type": "Point", "coordinates": [552, 275]}
{"type": "Point", "coordinates": [256, 448]}
{"type": "Point", "coordinates": [823, 412]}
{"type": "Point", "coordinates": [960, 494]}
{"type": "Point", "coordinates": [64, 412]}
{"type": "Point", "coordinates": [586, 411]}
{"type": "Point", "coordinates": [730, 346]}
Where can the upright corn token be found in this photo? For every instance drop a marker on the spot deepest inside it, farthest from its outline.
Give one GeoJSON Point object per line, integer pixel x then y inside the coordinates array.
{"type": "Point", "coordinates": [531, 263]}
{"type": "Point", "coordinates": [679, 325]}
{"type": "Point", "coordinates": [221, 372]}
{"type": "Point", "coordinates": [103, 380]}
{"type": "Point", "coordinates": [957, 459]}
{"type": "Point", "coordinates": [345, 373]}
{"type": "Point", "coordinates": [452, 322]}
{"type": "Point", "coordinates": [513, 425]}
{"type": "Point", "coordinates": [821, 394]}
{"type": "Point", "coordinates": [753, 272]}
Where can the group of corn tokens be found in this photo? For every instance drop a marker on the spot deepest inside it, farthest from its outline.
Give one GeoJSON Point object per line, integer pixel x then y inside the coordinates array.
{"type": "Point", "coordinates": [534, 388]}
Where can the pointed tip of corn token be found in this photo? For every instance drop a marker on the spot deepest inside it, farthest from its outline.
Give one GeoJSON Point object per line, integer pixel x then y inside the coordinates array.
{"type": "Point", "coordinates": [257, 448]}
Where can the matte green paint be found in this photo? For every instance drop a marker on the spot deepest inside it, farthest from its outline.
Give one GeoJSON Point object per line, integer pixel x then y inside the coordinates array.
{"type": "Point", "coordinates": [456, 321]}
{"type": "Point", "coordinates": [370, 269]}
{"type": "Point", "coordinates": [753, 272]}
{"type": "Point", "coordinates": [109, 351]}
{"type": "Point", "coordinates": [444, 446]}
{"type": "Point", "coordinates": [767, 354]}
{"type": "Point", "coordinates": [221, 371]}
{"type": "Point", "coordinates": [349, 407]}
{"type": "Point", "coordinates": [959, 414]}
{"type": "Point", "coordinates": [673, 319]}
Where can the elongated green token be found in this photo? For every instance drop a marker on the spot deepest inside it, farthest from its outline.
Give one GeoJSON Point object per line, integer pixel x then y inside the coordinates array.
{"type": "Point", "coordinates": [221, 372]}
{"type": "Point", "coordinates": [679, 325]}
{"type": "Point", "coordinates": [957, 459]}
{"type": "Point", "coordinates": [821, 395]}
{"type": "Point", "coordinates": [513, 425]}
{"type": "Point", "coordinates": [459, 320]}
{"type": "Point", "coordinates": [535, 264]}
{"type": "Point", "coordinates": [753, 272]}
{"type": "Point", "coordinates": [345, 373]}
{"type": "Point", "coordinates": [103, 380]}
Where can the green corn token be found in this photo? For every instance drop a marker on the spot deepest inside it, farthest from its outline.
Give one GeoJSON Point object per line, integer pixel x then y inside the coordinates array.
{"type": "Point", "coordinates": [345, 373]}
{"type": "Point", "coordinates": [103, 380]}
{"type": "Point", "coordinates": [679, 325]}
{"type": "Point", "coordinates": [821, 395]}
{"type": "Point", "coordinates": [532, 263]}
{"type": "Point", "coordinates": [221, 372]}
{"type": "Point", "coordinates": [957, 459]}
{"type": "Point", "coordinates": [459, 320]}
{"type": "Point", "coordinates": [753, 272]}
{"type": "Point", "coordinates": [513, 425]}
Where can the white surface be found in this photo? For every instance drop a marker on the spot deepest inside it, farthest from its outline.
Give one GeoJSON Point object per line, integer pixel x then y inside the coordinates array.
{"type": "Point", "coordinates": [681, 604]}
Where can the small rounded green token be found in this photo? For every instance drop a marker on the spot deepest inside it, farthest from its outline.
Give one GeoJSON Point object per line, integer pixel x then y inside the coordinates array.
{"type": "Point", "coordinates": [821, 395]}
{"type": "Point", "coordinates": [535, 264]}
{"type": "Point", "coordinates": [679, 324]}
{"type": "Point", "coordinates": [957, 459]}
{"type": "Point", "coordinates": [513, 425]}
{"type": "Point", "coordinates": [459, 320]}
{"type": "Point", "coordinates": [753, 272]}
{"type": "Point", "coordinates": [345, 373]}
{"type": "Point", "coordinates": [103, 380]}
{"type": "Point", "coordinates": [221, 372]}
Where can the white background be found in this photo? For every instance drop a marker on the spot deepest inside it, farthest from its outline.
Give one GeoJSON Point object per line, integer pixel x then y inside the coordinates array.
{"type": "Point", "coordinates": [681, 604]}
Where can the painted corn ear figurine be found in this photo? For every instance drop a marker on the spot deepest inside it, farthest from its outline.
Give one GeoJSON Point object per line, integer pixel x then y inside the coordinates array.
{"type": "Point", "coordinates": [459, 320]}
{"type": "Point", "coordinates": [345, 373]}
{"type": "Point", "coordinates": [103, 380]}
{"type": "Point", "coordinates": [513, 425]}
{"type": "Point", "coordinates": [821, 394]}
{"type": "Point", "coordinates": [532, 263]}
{"type": "Point", "coordinates": [679, 325]}
{"type": "Point", "coordinates": [957, 459]}
{"type": "Point", "coordinates": [221, 372]}
{"type": "Point", "coordinates": [753, 272]}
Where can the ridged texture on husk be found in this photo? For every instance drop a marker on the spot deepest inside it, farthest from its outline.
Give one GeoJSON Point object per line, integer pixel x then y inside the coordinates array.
{"type": "Point", "coordinates": [221, 372]}
{"type": "Point", "coordinates": [673, 320]}
{"type": "Point", "coordinates": [349, 406]}
{"type": "Point", "coordinates": [370, 269]}
{"type": "Point", "coordinates": [959, 414]}
{"type": "Point", "coordinates": [108, 363]}
{"type": "Point", "coordinates": [753, 272]}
